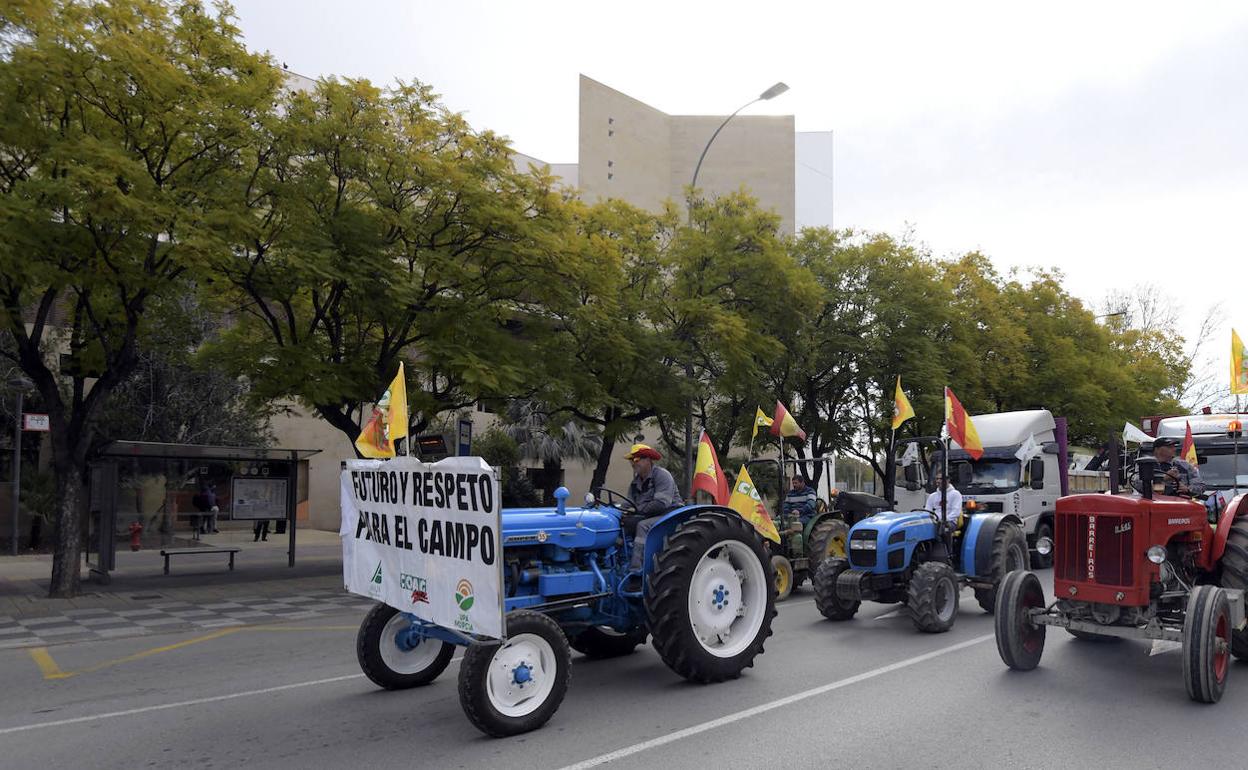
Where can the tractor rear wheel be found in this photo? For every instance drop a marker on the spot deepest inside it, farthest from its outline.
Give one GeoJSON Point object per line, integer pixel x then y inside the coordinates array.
{"type": "Point", "coordinates": [827, 541]}
{"type": "Point", "coordinates": [1235, 575]}
{"type": "Point", "coordinates": [1009, 553]}
{"type": "Point", "coordinates": [601, 642]}
{"type": "Point", "coordinates": [932, 597]}
{"type": "Point", "coordinates": [1019, 641]}
{"type": "Point", "coordinates": [391, 666]}
{"type": "Point", "coordinates": [783, 570]}
{"type": "Point", "coordinates": [829, 603]}
{"type": "Point", "coordinates": [517, 685]}
{"type": "Point", "coordinates": [710, 597]}
{"type": "Point", "coordinates": [1206, 644]}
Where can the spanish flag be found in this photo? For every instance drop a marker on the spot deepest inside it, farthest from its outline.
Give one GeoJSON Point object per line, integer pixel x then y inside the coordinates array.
{"type": "Point", "coordinates": [784, 425]}
{"type": "Point", "coordinates": [1239, 366]}
{"type": "Point", "coordinates": [760, 421]}
{"type": "Point", "coordinates": [960, 427]}
{"type": "Point", "coordinates": [745, 501]}
{"type": "Point", "coordinates": [707, 475]}
{"type": "Point", "coordinates": [388, 422]}
{"type": "Point", "coordinates": [1189, 447]}
{"type": "Point", "coordinates": [902, 410]}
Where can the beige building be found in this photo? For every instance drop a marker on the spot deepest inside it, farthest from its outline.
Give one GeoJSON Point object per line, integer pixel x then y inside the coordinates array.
{"type": "Point", "coordinates": [631, 151]}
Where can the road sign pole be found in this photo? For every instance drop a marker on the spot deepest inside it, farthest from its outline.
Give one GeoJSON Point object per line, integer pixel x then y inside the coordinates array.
{"type": "Point", "coordinates": [17, 471]}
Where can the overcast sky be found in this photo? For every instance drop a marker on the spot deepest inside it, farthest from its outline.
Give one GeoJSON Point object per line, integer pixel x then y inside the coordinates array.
{"type": "Point", "coordinates": [1107, 140]}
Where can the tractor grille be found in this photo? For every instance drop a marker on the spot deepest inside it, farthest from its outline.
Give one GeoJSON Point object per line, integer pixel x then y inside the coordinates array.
{"type": "Point", "coordinates": [862, 557]}
{"type": "Point", "coordinates": [1109, 540]}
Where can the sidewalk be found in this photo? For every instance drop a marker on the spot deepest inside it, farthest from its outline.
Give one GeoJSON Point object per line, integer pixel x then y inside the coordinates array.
{"type": "Point", "coordinates": [200, 591]}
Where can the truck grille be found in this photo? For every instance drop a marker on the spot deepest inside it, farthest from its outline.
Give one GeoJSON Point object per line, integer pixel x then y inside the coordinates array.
{"type": "Point", "coordinates": [1108, 539]}
{"type": "Point", "coordinates": [862, 557]}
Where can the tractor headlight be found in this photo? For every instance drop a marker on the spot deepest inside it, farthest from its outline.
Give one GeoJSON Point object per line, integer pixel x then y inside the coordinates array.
{"type": "Point", "coordinates": [1157, 554]}
{"type": "Point", "coordinates": [1044, 546]}
{"type": "Point", "coordinates": [864, 544]}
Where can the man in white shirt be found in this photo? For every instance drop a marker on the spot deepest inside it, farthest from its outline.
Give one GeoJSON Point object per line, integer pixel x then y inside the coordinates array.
{"type": "Point", "coordinates": [953, 499]}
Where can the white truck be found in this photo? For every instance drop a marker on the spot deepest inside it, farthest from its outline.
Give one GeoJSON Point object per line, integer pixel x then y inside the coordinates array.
{"type": "Point", "coordinates": [1022, 471]}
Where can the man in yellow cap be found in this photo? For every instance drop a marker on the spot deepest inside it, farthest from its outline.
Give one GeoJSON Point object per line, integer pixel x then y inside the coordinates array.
{"type": "Point", "coordinates": [652, 490]}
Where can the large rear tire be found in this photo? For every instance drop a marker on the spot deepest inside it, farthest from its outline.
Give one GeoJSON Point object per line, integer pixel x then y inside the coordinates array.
{"type": "Point", "coordinates": [1009, 553]}
{"type": "Point", "coordinates": [783, 570]}
{"type": "Point", "coordinates": [711, 597]}
{"type": "Point", "coordinates": [827, 541]}
{"type": "Point", "coordinates": [932, 597]}
{"type": "Point", "coordinates": [1235, 575]}
{"type": "Point", "coordinates": [516, 686]}
{"type": "Point", "coordinates": [600, 642]}
{"type": "Point", "coordinates": [829, 603]}
{"type": "Point", "coordinates": [1020, 642]}
{"type": "Point", "coordinates": [388, 665]}
{"type": "Point", "coordinates": [1206, 644]}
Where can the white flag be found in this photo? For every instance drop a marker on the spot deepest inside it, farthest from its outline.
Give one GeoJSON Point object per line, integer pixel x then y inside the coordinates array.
{"type": "Point", "coordinates": [1028, 450]}
{"type": "Point", "coordinates": [911, 455]}
{"type": "Point", "coordinates": [1133, 435]}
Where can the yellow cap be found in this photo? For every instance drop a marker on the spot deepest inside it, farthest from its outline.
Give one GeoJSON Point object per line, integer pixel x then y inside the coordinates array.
{"type": "Point", "coordinates": [643, 450]}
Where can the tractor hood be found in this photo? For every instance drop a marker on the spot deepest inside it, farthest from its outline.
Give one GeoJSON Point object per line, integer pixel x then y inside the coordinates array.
{"type": "Point", "coordinates": [915, 526]}
{"type": "Point", "coordinates": [884, 542]}
{"type": "Point", "coordinates": [575, 528]}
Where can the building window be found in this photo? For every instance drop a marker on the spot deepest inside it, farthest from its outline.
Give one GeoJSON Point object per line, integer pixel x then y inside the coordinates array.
{"type": "Point", "coordinates": [610, 121]}
{"type": "Point", "coordinates": [610, 164]}
{"type": "Point", "coordinates": [610, 133]}
{"type": "Point", "coordinates": [610, 176]}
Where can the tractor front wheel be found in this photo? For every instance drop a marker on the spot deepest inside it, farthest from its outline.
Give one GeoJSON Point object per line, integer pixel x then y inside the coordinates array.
{"type": "Point", "coordinates": [783, 570]}
{"type": "Point", "coordinates": [1206, 644]}
{"type": "Point", "coordinates": [710, 598]}
{"type": "Point", "coordinates": [1235, 575]}
{"type": "Point", "coordinates": [1020, 642]}
{"type": "Point", "coordinates": [517, 685]}
{"type": "Point", "coordinates": [932, 597]}
{"type": "Point", "coordinates": [390, 658]}
{"type": "Point", "coordinates": [1009, 553]}
{"type": "Point", "coordinates": [601, 642]}
{"type": "Point", "coordinates": [829, 603]}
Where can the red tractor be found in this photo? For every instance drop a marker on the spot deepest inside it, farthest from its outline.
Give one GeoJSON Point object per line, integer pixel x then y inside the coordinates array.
{"type": "Point", "coordinates": [1149, 566]}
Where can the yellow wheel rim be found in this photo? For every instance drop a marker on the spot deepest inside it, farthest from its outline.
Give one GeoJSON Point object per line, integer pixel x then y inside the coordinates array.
{"type": "Point", "coordinates": [783, 578]}
{"type": "Point", "coordinates": [836, 547]}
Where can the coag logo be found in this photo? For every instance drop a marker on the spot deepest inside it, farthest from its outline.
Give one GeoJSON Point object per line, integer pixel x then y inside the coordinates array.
{"type": "Point", "coordinates": [463, 594]}
{"type": "Point", "coordinates": [377, 574]}
{"type": "Point", "coordinates": [417, 585]}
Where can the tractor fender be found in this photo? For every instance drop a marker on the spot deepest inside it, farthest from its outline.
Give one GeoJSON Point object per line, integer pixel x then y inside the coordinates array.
{"type": "Point", "coordinates": [1233, 510]}
{"type": "Point", "coordinates": [668, 524]}
{"type": "Point", "coordinates": [977, 540]}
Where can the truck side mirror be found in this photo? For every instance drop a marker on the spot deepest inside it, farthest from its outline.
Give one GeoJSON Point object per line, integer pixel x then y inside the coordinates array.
{"type": "Point", "coordinates": [911, 474]}
{"type": "Point", "coordinates": [1036, 468]}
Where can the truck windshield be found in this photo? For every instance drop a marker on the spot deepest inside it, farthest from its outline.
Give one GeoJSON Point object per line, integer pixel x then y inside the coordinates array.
{"type": "Point", "coordinates": [990, 476]}
{"type": "Point", "coordinates": [1218, 471]}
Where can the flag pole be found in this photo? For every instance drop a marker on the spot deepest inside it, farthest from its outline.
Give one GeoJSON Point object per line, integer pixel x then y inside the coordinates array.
{"type": "Point", "coordinates": [1235, 451]}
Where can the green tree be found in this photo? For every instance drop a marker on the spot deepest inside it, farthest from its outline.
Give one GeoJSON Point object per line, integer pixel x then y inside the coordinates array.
{"type": "Point", "coordinates": [120, 144]}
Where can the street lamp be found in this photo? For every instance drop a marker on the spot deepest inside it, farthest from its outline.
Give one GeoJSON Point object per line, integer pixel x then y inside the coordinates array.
{"type": "Point", "coordinates": [770, 93]}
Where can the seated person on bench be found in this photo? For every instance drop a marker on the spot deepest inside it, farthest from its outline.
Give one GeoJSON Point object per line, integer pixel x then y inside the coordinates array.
{"type": "Point", "coordinates": [653, 491]}
{"type": "Point", "coordinates": [953, 501]}
{"type": "Point", "coordinates": [800, 501]}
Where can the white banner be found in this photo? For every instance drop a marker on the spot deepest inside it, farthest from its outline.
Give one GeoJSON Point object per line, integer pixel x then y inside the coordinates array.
{"type": "Point", "coordinates": [426, 539]}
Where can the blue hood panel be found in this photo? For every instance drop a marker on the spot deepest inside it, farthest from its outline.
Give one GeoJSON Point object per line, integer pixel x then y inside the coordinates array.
{"type": "Point", "coordinates": [577, 528]}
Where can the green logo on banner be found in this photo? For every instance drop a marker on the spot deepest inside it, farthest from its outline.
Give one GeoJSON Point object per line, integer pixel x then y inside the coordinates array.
{"type": "Point", "coordinates": [377, 574]}
{"type": "Point", "coordinates": [463, 594]}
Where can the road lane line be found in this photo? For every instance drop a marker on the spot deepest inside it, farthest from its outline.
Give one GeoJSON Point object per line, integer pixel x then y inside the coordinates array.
{"type": "Point", "coordinates": [158, 650]}
{"type": "Point", "coordinates": [775, 704]}
{"type": "Point", "coordinates": [47, 666]}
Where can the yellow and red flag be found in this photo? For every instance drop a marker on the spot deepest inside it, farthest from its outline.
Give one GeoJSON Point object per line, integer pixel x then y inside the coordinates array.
{"type": "Point", "coordinates": [707, 475]}
{"type": "Point", "coordinates": [760, 421]}
{"type": "Point", "coordinates": [960, 427]}
{"type": "Point", "coordinates": [1239, 364]}
{"type": "Point", "coordinates": [388, 422]}
{"type": "Point", "coordinates": [783, 424]}
{"type": "Point", "coordinates": [902, 410]}
{"type": "Point", "coordinates": [745, 501]}
{"type": "Point", "coordinates": [1189, 446]}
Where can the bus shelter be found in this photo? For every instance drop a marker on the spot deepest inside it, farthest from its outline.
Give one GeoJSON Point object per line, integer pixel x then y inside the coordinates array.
{"type": "Point", "coordinates": [169, 491]}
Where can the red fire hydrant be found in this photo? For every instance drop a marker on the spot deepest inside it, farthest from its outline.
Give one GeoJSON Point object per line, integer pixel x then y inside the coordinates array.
{"type": "Point", "coordinates": [136, 534]}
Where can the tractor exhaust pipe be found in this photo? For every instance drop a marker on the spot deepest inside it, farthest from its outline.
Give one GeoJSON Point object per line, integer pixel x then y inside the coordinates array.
{"type": "Point", "coordinates": [1147, 466]}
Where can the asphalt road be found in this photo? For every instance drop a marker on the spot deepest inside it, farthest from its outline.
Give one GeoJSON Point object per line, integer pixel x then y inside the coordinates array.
{"type": "Point", "coordinates": [871, 692]}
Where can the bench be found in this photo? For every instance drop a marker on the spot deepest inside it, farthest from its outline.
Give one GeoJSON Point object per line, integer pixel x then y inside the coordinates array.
{"type": "Point", "coordinates": [180, 551]}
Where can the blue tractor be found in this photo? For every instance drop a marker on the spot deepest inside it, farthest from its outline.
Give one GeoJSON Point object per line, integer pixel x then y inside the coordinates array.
{"type": "Point", "coordinates": [921, 560]}
{"type": "Point", "coordinates": [705, 598]}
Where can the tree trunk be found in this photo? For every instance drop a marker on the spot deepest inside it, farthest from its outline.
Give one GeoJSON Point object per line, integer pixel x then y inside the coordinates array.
{"type": "Point", "coordinates": [70, 496]}
{"type": "Point", "coordinates": [604, 453]}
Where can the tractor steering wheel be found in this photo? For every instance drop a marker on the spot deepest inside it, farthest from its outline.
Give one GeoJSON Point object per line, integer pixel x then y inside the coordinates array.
{"type": "Point", "coordinates": [620, 502]}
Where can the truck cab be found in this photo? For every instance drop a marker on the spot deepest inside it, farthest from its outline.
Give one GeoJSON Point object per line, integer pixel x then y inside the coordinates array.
{"type": "Point", "coordinates": [998, 482]}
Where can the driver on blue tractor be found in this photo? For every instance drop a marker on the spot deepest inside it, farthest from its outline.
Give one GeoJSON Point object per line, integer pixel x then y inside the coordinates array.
{"type": "Point", "coordinates": [953, 501]}
{"type": "Point", "coordinates": [800, 501]}
{"type": "Point", "coordinates": [1181, 477]}
{"type": "Point", "coordinates": [653, 491]}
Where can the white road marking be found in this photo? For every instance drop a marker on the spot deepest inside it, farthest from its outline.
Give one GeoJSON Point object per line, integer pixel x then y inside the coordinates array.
{"type": "Point", "coordinates": [180, 704]}
{"type": "Point", "coordinates": [775, 704]}
{"type": "Point", "coordinates": [886, 615]}
{"type": "Point", "coordinates": [1162, 646]}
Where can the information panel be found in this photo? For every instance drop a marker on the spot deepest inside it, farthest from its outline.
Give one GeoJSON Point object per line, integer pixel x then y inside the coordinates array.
{"type": "Point", "coordinates": [258, 498]}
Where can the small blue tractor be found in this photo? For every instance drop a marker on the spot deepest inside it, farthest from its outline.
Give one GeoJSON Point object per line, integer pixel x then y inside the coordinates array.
{"type": "Point", "coordinates": [918, 559]}
{"type": "Point", "coordinates": [705, 598]}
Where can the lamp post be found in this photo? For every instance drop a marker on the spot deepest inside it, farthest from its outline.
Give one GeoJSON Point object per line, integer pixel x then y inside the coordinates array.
{"type": "Point", "coordinates": [770, 93]}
